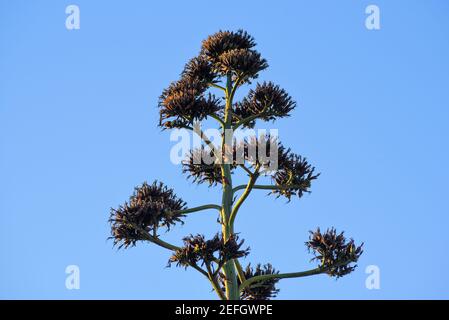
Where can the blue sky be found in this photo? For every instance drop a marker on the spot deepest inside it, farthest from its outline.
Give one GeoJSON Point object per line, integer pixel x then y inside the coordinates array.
{"type": "Point", "coordinates": [78, 113]}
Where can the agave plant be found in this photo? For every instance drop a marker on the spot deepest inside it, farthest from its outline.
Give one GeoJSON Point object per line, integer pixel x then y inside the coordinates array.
{"type": "Point", "coordinates": [226, 62]}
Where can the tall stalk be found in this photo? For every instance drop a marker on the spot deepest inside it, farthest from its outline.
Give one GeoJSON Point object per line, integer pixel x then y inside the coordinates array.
{"type": "Point", "coordinates": [229, 271]}
{"type": "Point", "coordinates": [227, 61]}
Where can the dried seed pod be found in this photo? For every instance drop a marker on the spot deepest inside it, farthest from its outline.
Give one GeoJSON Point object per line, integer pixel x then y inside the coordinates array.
{"type": "Point", "coordinates": [259, 151]}
{"type": "Point", "coordinates": [203, 166]}
{"type": "Point", "coordinates": [222, 41]}
{"type": "Point", "coordinates": [199, 251]}
{"type": "Point", "coordinates": [243, 63]}
{"type": "Point", "coordinates": [232, 53]}
{"type": "Point", "coordinates": [183, 102]}
{"type": "Point", "coordinates": [293, 176]}
{"type": "Point", "coordinates": [261, 290]}
{"type": "Point", "coordinates": [149, 208]}
{"type": "Point", "coordinates": [267, 100]}
{"type": "Point", "coordinates": [199, 169]}
{"type": "Point", "coordinates": [333, 251]}
{"type": "Point", "coordinates": [199, 70]}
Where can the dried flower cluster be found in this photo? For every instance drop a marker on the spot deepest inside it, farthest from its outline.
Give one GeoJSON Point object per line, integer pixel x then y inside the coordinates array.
{"type": "Point", "coordinates": [149, 208]}
{"type": "Point", "coordinates": [199, 251]}
{"type": "Point", "coordinates": [264, 290]}
{"type": "Point", "coordinates": [203, 166]}
{"type": "Point", "coordinates": [258, 151]}
{"type": "Point", "coordinates": [223, 53]}
{"type": "Point", "coordinates": [294, 173]}
{"type": "Point", "coordinates": [334, 253]}
{"type": "Point", "coordinates": [183, 102]}
{"type": "Point", "coordinates": [268, 101]}
{"type": "Point", "coordinates": [231, 52]}
{"type": "Point", "coordinates": [243, 63]}
{"type": "Point", "coordinates": [199, 71]}
{"type": "Point", "coordinates": [224, 41]}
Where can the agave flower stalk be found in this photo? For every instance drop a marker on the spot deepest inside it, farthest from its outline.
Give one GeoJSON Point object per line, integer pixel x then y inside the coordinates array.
{"type": "Point", "coordinates": [226, 62]}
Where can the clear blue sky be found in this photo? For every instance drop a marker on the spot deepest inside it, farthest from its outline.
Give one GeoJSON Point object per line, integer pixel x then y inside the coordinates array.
{"type": "Point", "coordinates": [78, 112]}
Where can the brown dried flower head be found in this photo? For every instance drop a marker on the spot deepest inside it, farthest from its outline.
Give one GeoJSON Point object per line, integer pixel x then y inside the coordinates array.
{"type": "Point", "coordinates": [223, 41]}
{"type": "Point", "coordinates": [183, 102]}
{"type": "Point", "coordinates": [294, 172]}
{"type": "Point", "coordinates": [333, 252]}
{"type": "Point", "coordinates": [203, 166]}
{"type": "Point", "coordinates": [231, 53]}
{"type": "Point", "coordinates": [259, 151]}
{"type": "Point", "coordinates": [199, 251]}
{"type": "Point", "coordinates": [243, 63]}
{"type": "Point", "coordinates": [149, 208]}
{"type": "Point", "coordinates": [199, 71]}
{"type": "Point", "coordinates": [268, 100]}
{"type": "Point", "coordinates": [262, 290]}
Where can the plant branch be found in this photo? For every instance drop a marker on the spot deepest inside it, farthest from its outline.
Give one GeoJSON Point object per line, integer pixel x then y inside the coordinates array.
{"type": "Point", "coordinates": [199, 208]}
{"type": "Point", "coordinates": [252, 180]}
{"type": "Point", "coordinates": [252, 117]}
{"type": "Point", "coordinates": [240, 272]}
{"type": "Point", "coordinates": [201, 134]}
{"type": "Point", "coordinates": [204, 273]}
{"type": "Point", "coordinates": [205, 138]}
{"type": "Point", "coordinates": [216, 86]}
{"type": "Point", "coordinates": [213, 280]}
{"type": "Point", "coordinates": [300, 274]}
{"type": "Point", "coordinates": [154, 238]}
{"type": "Point", "coordinates": [237, 116]}
{"type": "Point", "coordinates": [165, 245]}
{"type": "Point", "coordinates": [246, 169]}
{"type": "Point", "coordinates": [268, 187]}
{"type": "Point", "coordinates": [266, 277]}
{"type": "Point", "coordinates": [220, 121]}
{"type": "Point", "coordinates": [234, 87]}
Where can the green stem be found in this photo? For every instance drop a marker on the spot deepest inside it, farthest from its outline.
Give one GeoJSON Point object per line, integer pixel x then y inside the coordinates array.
{"type": "Point", "coordinates": [249, 187]}
{"type": "Point", "coordinates": [165, 245]}
{"type": "Point", "coordinates": [251, 118]}
{"type": "Point", "coordinates": [194, 266]}
{"type": "Point", "coordinates": [216, 86]}
{"type": "Point", "coordinates": [199, 208]}
{"type": "Point", "coordinates": [240, 272]}
{"type": "Point", "coordinates": [234, 88]}
{"type": "Point", "coordinates": [300, 274]}
{"type": "Point", "coordinates": [154, 239]}
{"type": "Point", "coordinates": [266, 277]}
{"type": "Point", "coordinates": [267, 187]}
{"type": "Point", "coordinates": [231, 284]}
{"type": "Point", "coordinates": [202, 135]}
{"type": "Point", "coordinates": [246, 169]}
{"type": "Point", "coordinates": [205, 138]}
{"type": "Point", "coordinates": [213, 280]}
{"type": "Point", "coordinates": [220, 121]}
